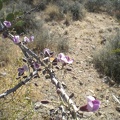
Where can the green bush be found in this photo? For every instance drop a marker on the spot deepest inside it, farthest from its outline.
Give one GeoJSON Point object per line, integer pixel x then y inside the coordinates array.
{"type": "Point", "coordinates": [94, 5]}
{"type": "Point", "coordinates": [107, 59]}
{"type": "Point", "coordinates": [77, 11]}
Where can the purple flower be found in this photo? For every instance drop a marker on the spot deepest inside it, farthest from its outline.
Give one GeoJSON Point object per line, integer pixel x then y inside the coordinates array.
{"type": "Point", "coordinates": [32, 38]}
{"type": "Point", "coordinates": [47, 52]}
{"type": "Point", "coordinates": [22, 70]}
{"type": "Point", "coordinates": [7, 24]}
{"type": "Point", "coordinates": [16, 39]}
{"type": "Point", "coordinates": [36, 65]}
{"type": "Point", "coordinates": [26, 39]}
{"type": "Point", "coordinates": [92, 105]}
{"type": "Point", "coordinates": [64, 59]}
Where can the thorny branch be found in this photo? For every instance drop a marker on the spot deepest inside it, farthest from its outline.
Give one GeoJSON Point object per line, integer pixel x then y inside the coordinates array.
{"type": "Point", "coordinates": [12, 90]}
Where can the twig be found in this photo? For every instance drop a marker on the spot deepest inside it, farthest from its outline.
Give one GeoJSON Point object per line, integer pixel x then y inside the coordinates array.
{"type": "Point", "coordinates": [18, 85]}
{"type": "Point", "coordinates": [116, 99]}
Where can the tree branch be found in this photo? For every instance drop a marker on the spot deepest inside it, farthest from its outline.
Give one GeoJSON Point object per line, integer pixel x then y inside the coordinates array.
{"type": "Point", "coordinates": [18, 85]}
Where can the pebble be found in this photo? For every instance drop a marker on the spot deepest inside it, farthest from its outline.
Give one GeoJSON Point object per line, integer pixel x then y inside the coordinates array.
{"type": "Point", "coordinates": [87, 114]}
{"type": "Point", "coordinates": [118, 108]}
{"type": "Point", "coordinates": [3, 74]}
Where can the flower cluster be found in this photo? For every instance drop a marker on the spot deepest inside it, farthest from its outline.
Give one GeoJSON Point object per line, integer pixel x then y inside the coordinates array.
{"type": "Point", "coordinates": [26, 39]}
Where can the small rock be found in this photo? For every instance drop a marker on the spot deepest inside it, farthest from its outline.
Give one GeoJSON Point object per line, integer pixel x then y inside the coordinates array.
{"type": "Point", "coordinates": [109, 29]}
{"type": "Point", "coordinates": [118, 108]}
{"type": "Point", "coordinates": [93, 47]}
{"type": "Point", "coordinates": [3, 73]}
{"type": "Point", "coordinates": [87, 114]}
{"type": "Point", "coordinates": [80, 83]}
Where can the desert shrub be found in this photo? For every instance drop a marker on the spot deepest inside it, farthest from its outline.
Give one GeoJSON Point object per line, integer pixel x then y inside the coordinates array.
{"type": "Point", "coordinates": [78, 11]}
{"type": "Point", "coordinates": [53, 11]}
{"type": "Point", "coordinates": [107, 59]}
{"type": "Point", "coordinates": [62, 45]}
{"type": "Point", "coordinates": [116, 4]}
{"type": "Point", "coordinates": [94, 5]}
{"type": "Point", "coordinates": [64, 5]}
{"type": "Point", "coordinates": [43, 40]}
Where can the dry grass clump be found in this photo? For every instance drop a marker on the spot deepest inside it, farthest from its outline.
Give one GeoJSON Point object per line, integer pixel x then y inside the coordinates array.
{"type": "Point", "coordinates": [57, 10]}
{"type": "Point", "coordinates": [53, 11]}
{"type": "Point", "coordinates": [5, 52]}
{"type": "Point", "coordinates": [107, 59]}
{"type": "Point", "coordinates": [62, 45]}
{"type": "Point", "coordinates": [45, 40]}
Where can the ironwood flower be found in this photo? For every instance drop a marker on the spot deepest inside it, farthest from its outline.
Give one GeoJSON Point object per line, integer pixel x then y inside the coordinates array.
{"type": "Point", "coordinates": [7, 24]}
{"type": "Point", "coordinates": [64, 59]}
{"type": "Point", "coordinates": [92, 105]}
{"type": "Point", "coordinates": [36, 66]}
{"type": "Point", "coordinates": [16, 39]}
{"type": "Point", "coordinates": [22, 70]}
{"type": "Point", "coordinates": [47, 52]}
{"type": "Point", "coordinates": [26, 39]}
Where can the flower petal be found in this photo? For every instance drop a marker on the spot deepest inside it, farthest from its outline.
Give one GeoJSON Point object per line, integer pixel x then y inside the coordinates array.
{"type": "Point", "coordinates": [16, 39]}
{"type": "Point", "coordinates": [96, 105]}
{"type": "Point", "coordinates": [26, 39]}
{"type": "Point", "coordinates": [46, 52]}
{"type": "Point", "coordinates": [90, 98]}
{"type": "Point", "coordinates": [90, 106]}
{"type": "Point", "coordinates": [7, 24]}
{"type": "Point", "coordinates": [32, 38]}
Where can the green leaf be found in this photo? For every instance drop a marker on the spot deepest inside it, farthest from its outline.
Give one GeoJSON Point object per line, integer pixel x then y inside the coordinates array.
{"type": "Point", "coordinates": [18, 13]}
{"type": "Point", "coordinates": [116, 50]}
{"type": "Point", "coordinates": [10, 17]}
{"type": "Point", "coordinates": [1, 4]}
{"type": "Point", "coordinates": [20, 23]}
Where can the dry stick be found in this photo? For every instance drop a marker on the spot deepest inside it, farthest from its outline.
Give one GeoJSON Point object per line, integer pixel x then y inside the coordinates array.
{"type": "Point", "coordinates": [18, 85]}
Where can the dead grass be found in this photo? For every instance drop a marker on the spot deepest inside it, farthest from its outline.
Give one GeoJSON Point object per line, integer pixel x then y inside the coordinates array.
{"type": "Point", "coordinates": [53, 11]}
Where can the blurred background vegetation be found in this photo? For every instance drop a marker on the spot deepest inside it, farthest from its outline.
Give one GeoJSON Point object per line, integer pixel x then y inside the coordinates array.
{"type": "Point", "coordinates": [19, 105]}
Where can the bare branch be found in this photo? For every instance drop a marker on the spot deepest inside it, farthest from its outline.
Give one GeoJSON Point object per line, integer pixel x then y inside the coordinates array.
{"type": "Point", "coordinates": [18, 85]}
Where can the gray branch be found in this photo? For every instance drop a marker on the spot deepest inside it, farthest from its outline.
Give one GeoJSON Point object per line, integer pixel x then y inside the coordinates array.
{"type": "Point", "coordinates": [18, 85]}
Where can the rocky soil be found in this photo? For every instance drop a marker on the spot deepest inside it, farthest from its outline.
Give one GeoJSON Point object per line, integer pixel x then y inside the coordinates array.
{"type": "Point", "coordinates": [85, 37]}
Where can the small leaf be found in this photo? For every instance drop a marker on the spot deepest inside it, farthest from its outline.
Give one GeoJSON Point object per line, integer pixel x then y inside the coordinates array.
{"type": "Point", "coordinates": [20, 23]}
{"type": "Point", "coordinates": [18, 13]}
{"type": "Point", "coordinates": [45, 102]}
{"type": "Point", "coordinates": [24, 76]}
{"type": "Point", "coordinates": [72, 95]}
{"type": "Point", "coordinates": [116, 50]}
{"type": "Point", "coordinates": [36, 84]}
{"type": "Point", "coordinates": [47, 77]}
{"type": "Point", "coordinates": [1, 4]}
{"type": "Point", "coordinates": [10, 17]}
